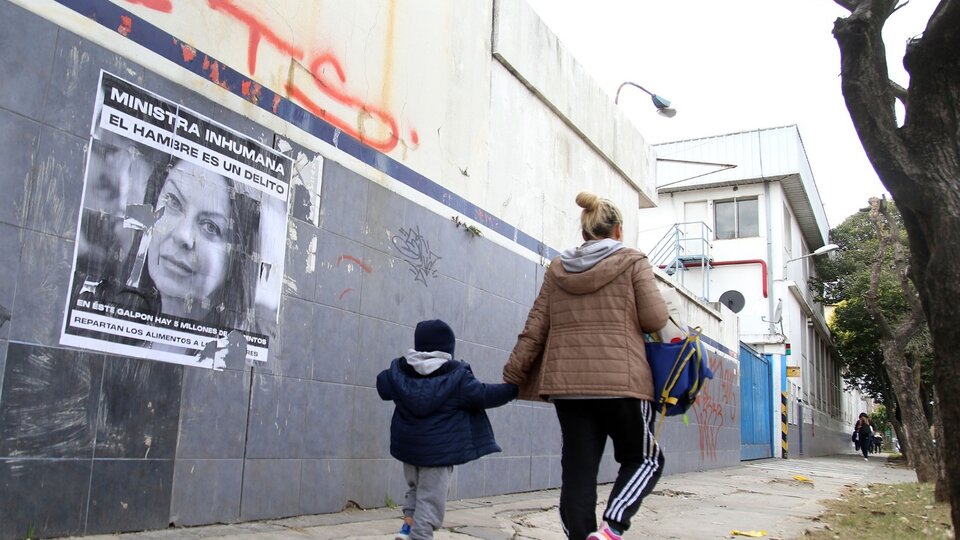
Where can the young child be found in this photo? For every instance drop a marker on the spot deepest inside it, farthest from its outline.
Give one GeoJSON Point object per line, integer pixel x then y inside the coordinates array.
{"type": "Point", "coordinates": [439, 421]}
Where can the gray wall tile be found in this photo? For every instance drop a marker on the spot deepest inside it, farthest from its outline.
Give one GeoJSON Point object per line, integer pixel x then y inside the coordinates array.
{"type": "Point", "coordinates": [51, 496]}
{"type": "Point", "coordinates": [370, 481]}
{"type": "Point", "coordinates": [513, 427]}
{"type": "Point", "coordinates": [370, 427]}
{"type": "Point", "coordinates": [206, 491]}
{"type": "Point", "coordinates": [9, 266]}
{"type": "Point", "coordinates": [343, 201]}
{"type": "Point", "coordinates": [329, 421]}
{"type": "Point", "coordinates": [271, 488]}
{"type": "Point", "coordinates": [418, 253]}
{"type": "Point", "coordinates": [540, 473]}
{"type": "Point", "coordinates": [509, 474]}
{"type": "Point", "coordinates": [448, 305]}
{"type": "Point", "coordinates": [385, 222]}
{"type": "Point", "coordinates": [41, 289]}
{"type": "Point", "coordinates": [213, 415]}
{"type": "Point", "coordinates": [139, 409]}
{"type": "Point", "coordinates": [323, 485]}
{"type": "Point", "coordinates": [28, 43]}
{"type": "Point", "coordinates": [300, 266]}
{"type": "Point", "coordinates": [296, 342]}
{"type": "Point", "coordinates": [277, 417]}
{"type": "Point", "coordinates": [337, 350]}
{"type": "Point", "coordinates": [129, 495]}
{"type": "Point", "coordinates": [382, 342]}
{"type": "Point", "coordinates": [78, 62]}
{"type": "Point", "coordinates": [340, 270]}
{"type": "Point", "coordinates": [492, 320]}
{"type": "Point", "coordinates": [51, 201]}
{"type": "Point", "coordinates": [3, 365]}
{"type": "Point", "coordinates": [470, 479]}
{"type": "Point", "coordinates": [48, 405]}
{"type": "Point", "coordinates": [544, 430]}
{"type": "Point", "coordinates": [495, 475]}
{"type": "Point", "coordinates": [391, 292]}
{"type": "Point", "coordinates": [459, 247]}
{"type": "Point", "coordinates": [19, 138]}
{"type": "Point", "coordinates": [486, 362]}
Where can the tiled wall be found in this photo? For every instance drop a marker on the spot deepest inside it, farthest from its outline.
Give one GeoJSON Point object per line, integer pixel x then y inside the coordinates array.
{"type": "Point", "coordinates": [94, 443]}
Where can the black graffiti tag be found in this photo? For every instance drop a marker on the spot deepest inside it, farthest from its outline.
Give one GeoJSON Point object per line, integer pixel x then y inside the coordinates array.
{"type": "Point", "coordinates": [415, 250]}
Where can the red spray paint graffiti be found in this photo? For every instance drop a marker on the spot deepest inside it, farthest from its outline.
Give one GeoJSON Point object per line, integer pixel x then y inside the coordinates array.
{"type": "Point", "coordinates": [165, 6]}
{"type": "Point", "coordinates": [351, 260]}
{"type": "Point", "coordinates": [318, 65]}
{"type": "Point", "coordinates": [711, 404]}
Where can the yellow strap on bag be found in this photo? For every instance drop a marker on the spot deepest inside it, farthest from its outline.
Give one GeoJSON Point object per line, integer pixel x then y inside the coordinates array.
{"type": "Point", "coordinates": [691, 351]}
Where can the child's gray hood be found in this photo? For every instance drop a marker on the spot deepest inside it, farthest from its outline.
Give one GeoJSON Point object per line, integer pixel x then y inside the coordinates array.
{"type": "Point", "coordinates": [426, 363]}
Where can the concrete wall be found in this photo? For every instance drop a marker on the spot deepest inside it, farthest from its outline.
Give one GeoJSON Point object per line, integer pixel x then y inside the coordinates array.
{"type": "Point", "coordinates": [417, 124]}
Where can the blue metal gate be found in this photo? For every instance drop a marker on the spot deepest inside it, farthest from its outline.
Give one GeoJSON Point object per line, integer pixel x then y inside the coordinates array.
{"type": "Point", "coordinates": [756, 405]}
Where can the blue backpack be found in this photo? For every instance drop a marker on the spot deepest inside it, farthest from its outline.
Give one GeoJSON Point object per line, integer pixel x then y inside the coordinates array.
{"type": "Point", "coordinates": [680, 371]}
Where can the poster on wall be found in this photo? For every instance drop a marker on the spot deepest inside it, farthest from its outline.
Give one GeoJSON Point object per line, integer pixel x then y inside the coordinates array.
{"type": "Point", "coordinates": [181, 236]}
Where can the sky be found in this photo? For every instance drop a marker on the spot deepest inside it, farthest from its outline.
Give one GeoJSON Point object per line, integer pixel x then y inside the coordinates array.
{"type": "Point", "coordinates": [735, 65]}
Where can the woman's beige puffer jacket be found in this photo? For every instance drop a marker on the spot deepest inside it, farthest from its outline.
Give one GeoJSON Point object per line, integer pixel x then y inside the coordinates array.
{"type": "Point", "coordinates": [584, 334]}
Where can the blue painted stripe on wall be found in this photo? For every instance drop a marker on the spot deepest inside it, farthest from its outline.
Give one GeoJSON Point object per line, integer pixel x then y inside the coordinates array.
{"type": "Point", "coordinates": [159, 41]}
{"type": "Point", "coordinates": [716, 344]}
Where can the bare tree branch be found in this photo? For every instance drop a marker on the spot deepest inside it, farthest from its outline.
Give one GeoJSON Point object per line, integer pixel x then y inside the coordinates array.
{"type": "Point", "coordinates": [869, 95]}
{"type": "Point", "coordinates": [849, 5]}
{"type": "Point", "coordinates": [909, 327]}
{"type": "Point", "coordinates": [871, 300]}
{"type": "Point", "coordinates": [899, 92]}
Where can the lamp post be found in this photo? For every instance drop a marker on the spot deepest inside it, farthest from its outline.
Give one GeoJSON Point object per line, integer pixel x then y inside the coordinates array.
{"type": "Point", "coordinates": [819, 251]}
{"type": "Point", "coordinates": [662, 104]}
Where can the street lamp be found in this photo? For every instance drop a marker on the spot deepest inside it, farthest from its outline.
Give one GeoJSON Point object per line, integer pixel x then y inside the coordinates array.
{"type": "Point", "coordinates": [662, 104]}
{"type": "Point", "coordinates": [819, 251]}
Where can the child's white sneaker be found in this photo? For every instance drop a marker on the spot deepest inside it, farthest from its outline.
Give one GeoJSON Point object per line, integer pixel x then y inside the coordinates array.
{"type": "Point", "coordinates": [404, 533]}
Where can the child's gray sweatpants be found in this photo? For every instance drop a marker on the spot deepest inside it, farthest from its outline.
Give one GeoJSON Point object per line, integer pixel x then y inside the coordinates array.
{"type": "Point", "coordinates": [426, 498]}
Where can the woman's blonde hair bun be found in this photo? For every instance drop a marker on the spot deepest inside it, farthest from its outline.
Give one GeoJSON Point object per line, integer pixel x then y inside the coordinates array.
{"type": "Point", "coordinates": [587, 200]}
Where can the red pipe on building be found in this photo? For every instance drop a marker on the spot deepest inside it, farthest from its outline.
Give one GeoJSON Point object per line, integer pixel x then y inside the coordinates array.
{"type": "Point", "coordinates": [761, 262]}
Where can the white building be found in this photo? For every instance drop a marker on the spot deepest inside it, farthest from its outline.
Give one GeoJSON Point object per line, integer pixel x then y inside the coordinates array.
{"type": "Point", "coordinates": [738, 222]}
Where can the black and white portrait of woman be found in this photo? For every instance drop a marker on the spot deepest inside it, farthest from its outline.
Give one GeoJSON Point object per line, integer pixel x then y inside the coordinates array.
{"type": "Point", "coordinates": [175, 250]}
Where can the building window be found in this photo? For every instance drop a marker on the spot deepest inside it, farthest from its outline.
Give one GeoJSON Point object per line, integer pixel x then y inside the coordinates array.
{"type": "Point", "coordinates": [787, 230]}
{"type": "Point", "coordinates": [737, 218]}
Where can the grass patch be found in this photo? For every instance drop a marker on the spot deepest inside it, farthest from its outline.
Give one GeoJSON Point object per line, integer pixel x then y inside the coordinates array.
{"type": "Point", "coordinates": [885, 511]}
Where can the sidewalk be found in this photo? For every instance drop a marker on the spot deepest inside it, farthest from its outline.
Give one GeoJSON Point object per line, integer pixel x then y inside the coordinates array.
{"type": "Point", "coordinates": [758, 495]}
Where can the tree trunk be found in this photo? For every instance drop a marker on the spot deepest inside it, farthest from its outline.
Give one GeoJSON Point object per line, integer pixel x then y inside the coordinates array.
{"type": "Point", "coordinates": [917, 430]}
{"type": "Point", "coordinates": [920, 165]}
{"type": "Point", "coordinates": [942, 491]}
{"type": "Point", "coordinates": [901, 439]}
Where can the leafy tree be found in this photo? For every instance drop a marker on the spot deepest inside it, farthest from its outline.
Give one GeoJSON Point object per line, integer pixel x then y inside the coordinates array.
{"type": "Point", "coordinates": [919, 163]}
{"type": "Point", "coordinates": [878, 325]}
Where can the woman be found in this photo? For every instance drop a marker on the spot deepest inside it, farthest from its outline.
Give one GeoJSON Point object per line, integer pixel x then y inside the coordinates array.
{"type": "Point", "coordinates": [865, 435]}
{"type": "Point", "coordinates": [582, 348]}
{"type": "Point", "coordinates": [195, 262]}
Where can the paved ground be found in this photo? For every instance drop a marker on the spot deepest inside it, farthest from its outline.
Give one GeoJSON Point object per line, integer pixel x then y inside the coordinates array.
{"type": "Point", "coordinates": [758, 495]}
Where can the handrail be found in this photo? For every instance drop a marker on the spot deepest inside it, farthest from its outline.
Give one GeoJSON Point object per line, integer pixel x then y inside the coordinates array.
{"type": "Point", "coordinates": [684, 245]}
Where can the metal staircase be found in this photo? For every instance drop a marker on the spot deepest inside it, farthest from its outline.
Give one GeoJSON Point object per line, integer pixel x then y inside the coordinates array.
{"type": "Point", "coordinates": [686, 246]}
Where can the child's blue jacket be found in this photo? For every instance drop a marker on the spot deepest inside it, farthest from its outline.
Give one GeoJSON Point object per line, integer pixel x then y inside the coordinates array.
{"type": "Point", "coordinates": [439, 418]}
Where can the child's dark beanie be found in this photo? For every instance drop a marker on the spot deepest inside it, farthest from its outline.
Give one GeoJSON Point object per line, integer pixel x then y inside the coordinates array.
{"type": "Point", "coordinates": [434, 335]}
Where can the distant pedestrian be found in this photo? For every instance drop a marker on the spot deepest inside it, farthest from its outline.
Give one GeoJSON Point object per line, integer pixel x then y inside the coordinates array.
{"type": "Point", "coordinates": [439, 421]}
{"type": "Point", "coordinates": [877, 442]}
{"type": "Point", "coordinates": [856, 436]}
{"type": "Point", "coordinates": [582, 348]}
{"type": "Point", "coordinates": [865, 434]}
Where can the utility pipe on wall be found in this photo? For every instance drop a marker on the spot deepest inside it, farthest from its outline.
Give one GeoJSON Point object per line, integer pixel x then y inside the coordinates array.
{"type": "Point", "coordinates": [761, 262]}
